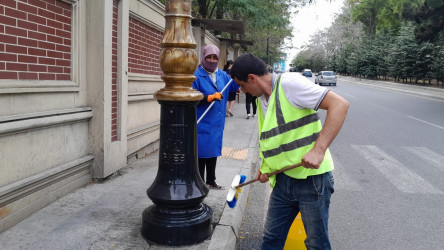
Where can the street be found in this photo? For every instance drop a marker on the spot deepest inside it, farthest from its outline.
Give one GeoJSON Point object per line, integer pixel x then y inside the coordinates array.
{"type": "Point", "coordinates": [389, 157]}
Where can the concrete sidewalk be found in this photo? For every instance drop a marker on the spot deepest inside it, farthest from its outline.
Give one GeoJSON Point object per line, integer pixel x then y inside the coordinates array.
{"type": "Point", "coordinates": [108, 215]}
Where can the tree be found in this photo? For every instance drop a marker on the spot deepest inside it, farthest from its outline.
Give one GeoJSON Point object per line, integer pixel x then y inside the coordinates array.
{"type": "Point", "coordinates": [266, 21]}
{"type": "Point", "coordinates": [301, 61]}
{"type": "Point", "coordinates": [437, 65]}
{"type": "Point", "coordinates": [422, 69]}
{"type": "Point", "coordinates": [367, 57]}
{"type": "Point", "coordinates": [428, 16]}
{"type": "Point", "coordinates": [404, 53]}
{"type": "Point", "coordinates": [353, 64]}
{"type": "Point", "coordinates": [382, 41]}
{"type": "Point", "coordinates": [345, 36]}
{"type": "Point", "coordinates": [341, 61]}
{"type": "Point", "coordinates": [402, 39]}
{"type": "Point", "coordinates": [367, 12]}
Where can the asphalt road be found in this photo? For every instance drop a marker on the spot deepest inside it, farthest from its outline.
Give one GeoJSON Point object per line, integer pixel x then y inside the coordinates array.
{"type": "Point", "coordinates": [389, 167]}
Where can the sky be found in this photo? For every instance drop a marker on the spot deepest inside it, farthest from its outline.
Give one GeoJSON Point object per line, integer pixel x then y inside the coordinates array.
{"type": "Point", "coordinates": [310, 19]}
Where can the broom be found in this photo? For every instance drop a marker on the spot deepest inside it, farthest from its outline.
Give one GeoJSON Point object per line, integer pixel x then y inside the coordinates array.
{"type": "Point", "coordinates": [212, 103]}
{"type": "Point", "coordinates": [239, 181]}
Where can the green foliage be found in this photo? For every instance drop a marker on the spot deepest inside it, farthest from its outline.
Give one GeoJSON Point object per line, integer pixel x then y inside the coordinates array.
{"type": "Point", "coordinates": [339, 63]}
{"type": "Point", "coordinates": [437, 65]}
{"type": "Point", "coordinates": [266, 21]}
{"type": "Point", "coordinates": [383, 40]}
{"type": "Point", "coordinates": [367, 12]}
{"type": "Point", "coordinates": [377, 15]}
{"type": "Point", "coordinates": [424, 62]}
{"type": "Point", "coordinates": [403, 39]}
{"type": "Point", "coordinates": [301, 62]}
{"type": "Point", "coordinates": [329, 50]}
{"type": "Point", "coordinates": [428, 18]}
{"type": "Point", "coordinates": [404, 61]}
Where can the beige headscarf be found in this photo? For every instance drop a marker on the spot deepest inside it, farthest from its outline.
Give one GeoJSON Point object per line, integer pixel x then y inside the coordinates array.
{"type": "Point", "coordinates": [209, 50]}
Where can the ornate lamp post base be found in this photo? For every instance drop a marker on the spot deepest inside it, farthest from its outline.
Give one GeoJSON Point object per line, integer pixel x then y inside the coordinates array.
{"type": "Point", "coordinates": [178, 216]}
{"type": "Point", "coordinates": [188, 226]}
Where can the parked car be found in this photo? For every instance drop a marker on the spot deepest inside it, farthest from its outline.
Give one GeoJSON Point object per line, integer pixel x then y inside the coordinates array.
{"type": "Point", "coordinates": [307, 73]}
{"type": "Point", "coordinates": [326, 77]}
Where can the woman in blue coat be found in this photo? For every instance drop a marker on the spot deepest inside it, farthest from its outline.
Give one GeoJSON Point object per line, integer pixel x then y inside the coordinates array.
{"type": "Point", "coordinates": [210, 81]}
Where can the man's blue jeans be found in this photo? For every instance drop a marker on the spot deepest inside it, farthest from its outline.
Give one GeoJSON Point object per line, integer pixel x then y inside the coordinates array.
{"type": "Point", "coordinates": [311, 197]}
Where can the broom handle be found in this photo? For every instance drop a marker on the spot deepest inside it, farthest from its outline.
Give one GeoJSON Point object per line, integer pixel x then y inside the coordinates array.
{"type": "Point", "coordinates": [271, 174]}
{"type": "Point", "coordinates": [212, 103]}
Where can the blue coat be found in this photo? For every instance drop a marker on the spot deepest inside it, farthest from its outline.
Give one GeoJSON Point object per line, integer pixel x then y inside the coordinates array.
{"type": "Point", "coordinates": [210, 129]}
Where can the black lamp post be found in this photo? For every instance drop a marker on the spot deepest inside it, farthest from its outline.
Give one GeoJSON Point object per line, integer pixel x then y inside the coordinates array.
{"type": "Point", "coordinates": [178, 216]}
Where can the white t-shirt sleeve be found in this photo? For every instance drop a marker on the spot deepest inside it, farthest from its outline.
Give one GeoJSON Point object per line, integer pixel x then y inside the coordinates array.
{"type": "Point", "coordinates": [301, 92]}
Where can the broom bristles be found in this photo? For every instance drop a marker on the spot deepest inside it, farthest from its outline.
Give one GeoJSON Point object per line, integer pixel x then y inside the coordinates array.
{"type": "Point", "coordinates": [243, 178]}
{"type": "Point", "coordinates": [233, 193]}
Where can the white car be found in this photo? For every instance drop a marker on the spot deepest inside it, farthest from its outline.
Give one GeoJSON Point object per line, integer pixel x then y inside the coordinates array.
{"type": "Point", "coordinates": [326, 77]}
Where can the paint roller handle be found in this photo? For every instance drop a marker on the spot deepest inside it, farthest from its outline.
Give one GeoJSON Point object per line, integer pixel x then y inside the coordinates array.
{"type": "Point", "coordinates": [211, 105]}
{"type": "Point", "coordinates": [270, 174]}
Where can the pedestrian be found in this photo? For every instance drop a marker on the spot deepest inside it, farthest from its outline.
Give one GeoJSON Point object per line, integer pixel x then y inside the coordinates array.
{"type": "Point", "coordinates": [250, 100]}
{"type": "Point", "coordinates": [291, 132]}
{"type": "Point", "coordinates": [231, 95]}
{"type": "Point", "coordinates": [210, 81]}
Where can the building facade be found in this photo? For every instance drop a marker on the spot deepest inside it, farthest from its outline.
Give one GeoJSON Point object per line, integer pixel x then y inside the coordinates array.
{"type": "Point", "coordinates": [77, 79]}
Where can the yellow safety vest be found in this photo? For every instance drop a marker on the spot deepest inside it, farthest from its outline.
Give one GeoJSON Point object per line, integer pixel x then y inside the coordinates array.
{"type": "Point", "coordinates": [286, 134]}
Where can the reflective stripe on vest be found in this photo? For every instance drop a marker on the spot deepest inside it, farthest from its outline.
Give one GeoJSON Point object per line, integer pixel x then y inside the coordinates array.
{"type": "Point", "coordinates": [291, 146]}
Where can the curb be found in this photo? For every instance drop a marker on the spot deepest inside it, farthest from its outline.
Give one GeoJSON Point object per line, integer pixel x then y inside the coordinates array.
{"type": "Point", "coordinates": [400, 87]}
{"type": "Point", "coordinates": [228, 229]}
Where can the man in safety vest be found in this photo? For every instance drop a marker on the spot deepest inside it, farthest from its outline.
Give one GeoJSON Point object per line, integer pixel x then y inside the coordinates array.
{"type": "Point", "coordinates": [290, 132]}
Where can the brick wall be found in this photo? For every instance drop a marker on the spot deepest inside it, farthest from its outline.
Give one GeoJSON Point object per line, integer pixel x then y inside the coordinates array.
{"type": "Point", "coordinates": [144, 48]}
{"type": "Point", "coordinates": [35, 40]}
{"type": "Point", "coordinates": [114, 89]}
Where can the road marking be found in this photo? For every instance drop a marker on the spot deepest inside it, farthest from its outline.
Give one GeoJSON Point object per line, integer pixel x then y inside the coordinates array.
{"type": "Point", "coordinates": [402, 178]}
{"type": "Point", "coordinates": [427, 122]}
{"type": "Point", "coordinates": [427, 155]}
{"type": "Point", "coordinates": [343, 181]}
{"type": "Point", "coordinates": [350, 96]}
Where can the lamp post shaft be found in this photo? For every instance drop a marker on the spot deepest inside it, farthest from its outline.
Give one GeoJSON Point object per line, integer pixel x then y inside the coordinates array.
{"type": "Point", "coordinates": [178, 216]}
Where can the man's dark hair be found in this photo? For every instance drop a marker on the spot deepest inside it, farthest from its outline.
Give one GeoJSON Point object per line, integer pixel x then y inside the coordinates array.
{"type": "Point", "coordinates": [248, 64]}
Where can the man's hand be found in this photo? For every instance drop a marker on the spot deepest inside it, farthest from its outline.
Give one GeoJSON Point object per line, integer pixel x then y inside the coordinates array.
{"type": "Point", "coordinates": [261, 177]}
{"type": "Point", "coordinates": [215, 97]}
{"type": "Point", "coordinates": [337, 108]}
{"type": "Point", "coordinates": [313, 159]}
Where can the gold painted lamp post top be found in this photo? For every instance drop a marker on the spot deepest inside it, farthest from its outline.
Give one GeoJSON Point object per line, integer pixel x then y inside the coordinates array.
{"type": "Point", "coordinates": [178, 59]}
